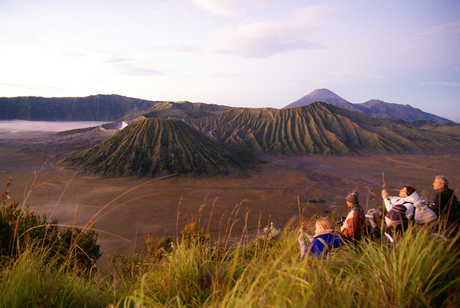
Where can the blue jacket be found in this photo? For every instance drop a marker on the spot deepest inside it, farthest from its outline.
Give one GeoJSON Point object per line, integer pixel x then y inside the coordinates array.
{"type": "Point", "coordinates": [317, 248]}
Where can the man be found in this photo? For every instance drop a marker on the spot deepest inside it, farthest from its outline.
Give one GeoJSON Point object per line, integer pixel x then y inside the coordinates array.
{"type": "Point", "coordinates": [445, 203]}
{"type": "Point", "coordinates": [352, 227]}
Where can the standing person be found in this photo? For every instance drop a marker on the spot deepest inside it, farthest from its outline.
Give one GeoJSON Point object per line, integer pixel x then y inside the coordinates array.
{"type": "Point", "coordinates": [324, 239]}
{"type": "Point", "coordinates": [445, 203]}
{"type": "Point", "coordinates": [352, 227]}
{"type": "Point", "coordinates": [407, 197]}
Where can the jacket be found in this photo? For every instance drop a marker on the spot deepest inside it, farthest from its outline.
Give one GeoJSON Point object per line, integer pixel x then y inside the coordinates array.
{"type": "Point", "coordinates": [407, 202]}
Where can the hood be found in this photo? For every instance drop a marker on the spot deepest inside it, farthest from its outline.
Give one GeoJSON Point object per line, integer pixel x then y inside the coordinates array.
{"type": "Point", "coordinates": [412, 198]}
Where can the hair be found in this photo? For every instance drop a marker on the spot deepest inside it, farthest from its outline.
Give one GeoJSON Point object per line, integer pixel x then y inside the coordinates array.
{"type": "Point", "coordinates": [442, 180]}
{"type": "Point", "coordinates": [410, 190]}
{"type": "Point", "coordinates": [325, 223]}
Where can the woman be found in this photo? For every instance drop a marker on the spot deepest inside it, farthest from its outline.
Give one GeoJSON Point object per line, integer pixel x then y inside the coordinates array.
{"type": "Point", "coordinates": [407, 197]}
{"type": "Point", "coordinates": [324, 239]}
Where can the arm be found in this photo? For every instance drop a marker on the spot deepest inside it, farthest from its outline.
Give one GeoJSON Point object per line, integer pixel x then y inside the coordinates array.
{"type": "Point", "coordinates": [303, 247]}
{"type": "Point", "coordinates": [386, 200]}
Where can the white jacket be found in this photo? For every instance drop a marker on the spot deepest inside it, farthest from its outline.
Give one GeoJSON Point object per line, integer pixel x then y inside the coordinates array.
{"type": "Point", "coordinates": [408, 203]}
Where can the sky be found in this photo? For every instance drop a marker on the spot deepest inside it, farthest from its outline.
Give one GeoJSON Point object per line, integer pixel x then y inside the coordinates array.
{"type": "Point", "coordinates": [241, 53]}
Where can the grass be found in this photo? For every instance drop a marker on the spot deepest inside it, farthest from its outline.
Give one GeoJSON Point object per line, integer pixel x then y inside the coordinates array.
{"type": "Point", "coordinates": [420, 270]}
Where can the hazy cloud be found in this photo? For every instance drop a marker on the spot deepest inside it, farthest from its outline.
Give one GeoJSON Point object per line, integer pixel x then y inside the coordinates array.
{"type": "Point", "coordinates": [127, 66]}
{"type": "Point", "coordinates": [452, 84]}
{"type": "Point", "coordinates": [230, 7]}
{"type": "Point", "coordinates": [354, 73]}
{"type": "Point", "coordinates": [263, 39]}
{"type": "Point", "coordinates": [451, 28]}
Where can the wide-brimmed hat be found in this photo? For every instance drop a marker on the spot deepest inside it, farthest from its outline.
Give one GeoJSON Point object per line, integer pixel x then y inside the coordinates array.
{"type": "Point", "coordinates": [423, 214]}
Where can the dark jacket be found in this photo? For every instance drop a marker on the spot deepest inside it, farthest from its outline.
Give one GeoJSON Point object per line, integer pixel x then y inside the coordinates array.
{"type": "Point", "coordinates": [446, 203]}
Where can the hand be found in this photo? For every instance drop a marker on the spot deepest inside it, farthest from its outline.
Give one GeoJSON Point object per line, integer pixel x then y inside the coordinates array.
{"type": "Point", "coordinates": [384, 194]}
{"type": "Point", "coordinates": [304, 229]}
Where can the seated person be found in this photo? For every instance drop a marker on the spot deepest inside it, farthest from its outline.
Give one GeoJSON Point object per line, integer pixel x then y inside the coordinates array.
{"type": "Point", "coordinates": [407, 197]}
{"type": "Point", "coordinates": [324, 239]}
{"type": "Point", "coordinates": [353, 224]}
{"type": "Point", "coordinates": [396, 221]}
{"type": "Point", "coordinates": [445, 203]}
{"type": "Point", "coordinates": [423, 214]}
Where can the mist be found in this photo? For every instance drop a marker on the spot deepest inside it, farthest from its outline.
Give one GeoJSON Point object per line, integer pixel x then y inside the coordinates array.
{"type": "Point", "coordinates": [24, 129]}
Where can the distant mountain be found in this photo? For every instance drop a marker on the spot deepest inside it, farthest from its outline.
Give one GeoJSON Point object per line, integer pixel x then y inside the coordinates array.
{"type": "Point", "coordinates": [179, 110]}
{"type": "Point", "coordinates": [100, 108]}
{"type": "Point", "coordinates": [91, 108]}
{"type": "Point", "coordinates": [150, 147]}
{"type": "Point", "coordinates": [320, 128]}
{"type": "Point", "coordinates": [224, 141]}
{"type": "Point", "coordinates": [389, 111]}
{"type": "Point", "coordinates": [319, 95]}
{"type": "Point", "coordinates": [373, 108]}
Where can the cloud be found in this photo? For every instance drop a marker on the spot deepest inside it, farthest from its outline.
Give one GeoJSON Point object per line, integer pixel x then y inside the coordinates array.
{"type": "Point", "coordinates": [355, 73]}
{"type": "Point", "coordinates": [128, 66]}
{"type": "Point", "coordinates": [28, 38]}
{"type": "Point", "coordinates": [263, 39]}
{"type": "Point", "coordinates": [230, 7]}
{"type": "Point", "coordinates": [450, 28]}
{"type": "Point", "coordinates": [452, 84]}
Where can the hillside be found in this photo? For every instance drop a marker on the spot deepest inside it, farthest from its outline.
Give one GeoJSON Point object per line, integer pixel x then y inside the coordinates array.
{"type": "Point", "coordinates": [179, 110]}
{"type": "Point", "coordinates": [320, 128]}
{"type": "Point", "coordinates": [150, 147]}
{"type": "Point", "coordinates": [373, 108]}
{"type": "Point", "coordinates": [91, 108]}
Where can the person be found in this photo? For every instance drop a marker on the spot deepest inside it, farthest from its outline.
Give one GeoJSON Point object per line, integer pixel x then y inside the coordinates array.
{"type": "Point", "coordinates": [407, 197]}
{"type": "Point", "coordinates": [324, 239]}
{"type": "Point", "coordinates": [396, 221]}
{"type": "Point", "coordinates": [445, 203]}
{"type": "Point", "coordinates": [353, 224]}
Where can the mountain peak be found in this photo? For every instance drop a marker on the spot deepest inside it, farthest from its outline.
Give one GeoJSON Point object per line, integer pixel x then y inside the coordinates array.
{"type": "Point", "coordinates": [322, 95]}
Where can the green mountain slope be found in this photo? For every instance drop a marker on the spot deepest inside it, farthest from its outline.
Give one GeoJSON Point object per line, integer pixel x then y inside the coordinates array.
{"type": "Point", "coordinates": [179, 110]}
{"type": "Point", "coordinates": [150, 147]}
{"type": "Point", "coordinates": [320, 128]}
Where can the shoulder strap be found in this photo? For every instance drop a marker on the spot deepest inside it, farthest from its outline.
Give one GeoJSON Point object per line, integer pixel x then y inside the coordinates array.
{"type": "Point", "coordinates": [326, 246]}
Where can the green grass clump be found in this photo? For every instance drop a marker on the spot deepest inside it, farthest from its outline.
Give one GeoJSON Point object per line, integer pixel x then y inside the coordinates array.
{"type": "Point", "coordinates": [34, 280]}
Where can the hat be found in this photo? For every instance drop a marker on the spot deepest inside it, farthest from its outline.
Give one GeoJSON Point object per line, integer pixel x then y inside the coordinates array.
{"type": "Point", "coordinates": [397, 214]}
{"type": "Point", "coordinates": [423, 214]}
{"type": "Point", "coordinates": [353, 197]}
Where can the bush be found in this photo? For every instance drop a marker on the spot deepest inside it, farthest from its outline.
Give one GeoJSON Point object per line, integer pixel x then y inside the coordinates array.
{"type": "Point", "coordinates": [21, 229]}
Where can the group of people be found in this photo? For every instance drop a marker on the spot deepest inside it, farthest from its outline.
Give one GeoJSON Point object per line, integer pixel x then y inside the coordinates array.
{"type": "Point", "coordinates": [399, 211]}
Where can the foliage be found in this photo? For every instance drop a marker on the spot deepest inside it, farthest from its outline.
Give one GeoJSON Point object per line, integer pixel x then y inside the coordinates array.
{"type": "Point", "coordinates": [20, 228]}
{"type": "Point", "coordinates": [79, 246]}
{"type": "Point", "coordinates": [261, 245]}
